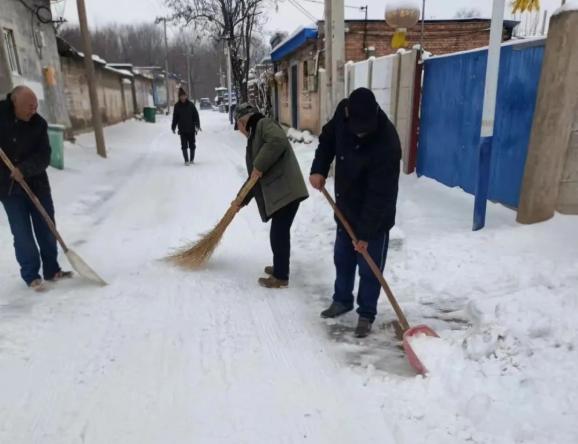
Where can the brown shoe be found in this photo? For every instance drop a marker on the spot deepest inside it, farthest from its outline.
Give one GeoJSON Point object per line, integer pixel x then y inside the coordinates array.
{"type": "Point", "coordinates": [38, 286]}
{"type": "Point", "coordinates": [273, 282]}
{"type": "Point", "coordinates": [269, 270]}
{"type": "Point", "coordinates": [62, 275]}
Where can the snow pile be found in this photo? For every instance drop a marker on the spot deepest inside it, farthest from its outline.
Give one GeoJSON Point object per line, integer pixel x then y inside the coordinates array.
{"type": "Point", "coordinates": [161, 355]}
{"type": "Point", "coordinates": [570, 5]}
{"type": "Point", "coordinates": [300, 136]}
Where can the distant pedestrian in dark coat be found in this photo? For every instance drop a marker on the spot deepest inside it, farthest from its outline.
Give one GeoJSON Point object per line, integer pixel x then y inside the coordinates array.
{"type": "Point", "coordinates": [365, 147]}
{"type": "Point", "coordinates": [186, 118]}
{"type": "Point", "coordinates": [24, 139]}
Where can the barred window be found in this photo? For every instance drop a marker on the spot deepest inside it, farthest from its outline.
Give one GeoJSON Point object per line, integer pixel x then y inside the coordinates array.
{"type": "Point", "coordinates": [11, 51]}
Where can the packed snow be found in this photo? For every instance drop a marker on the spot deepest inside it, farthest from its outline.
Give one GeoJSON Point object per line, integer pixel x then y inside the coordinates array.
{"type": "Point", "coordinates": [167, 356]}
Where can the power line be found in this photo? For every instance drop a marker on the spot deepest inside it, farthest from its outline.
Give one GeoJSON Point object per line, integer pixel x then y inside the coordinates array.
{"type": "Point", "coordinates": [304, 11]}
{"type": "Point", "coordinates": [319, 2]}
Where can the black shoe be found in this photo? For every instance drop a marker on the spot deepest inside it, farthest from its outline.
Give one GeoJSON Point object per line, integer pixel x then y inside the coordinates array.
{"type": "Point", "coordinates": [335, 309]}
{"type": "Point", "coordinates": [363, 327]}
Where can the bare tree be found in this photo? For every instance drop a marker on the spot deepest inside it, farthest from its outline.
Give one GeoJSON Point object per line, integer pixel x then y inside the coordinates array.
{"type": "Point", "coordinates": [466, 13]}
{"type": "Point", "coordinates": [232, 22]}
{"type": "Point", "coordinates": [143, 45]}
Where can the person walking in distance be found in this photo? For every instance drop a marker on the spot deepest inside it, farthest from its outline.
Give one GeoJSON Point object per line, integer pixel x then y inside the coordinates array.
{"type": "Point", "coordinates": [186, 119]}
{"type": "Point", "coordinates": [366, 149]}
{"type": "Point", "coordinates": [24, 139]}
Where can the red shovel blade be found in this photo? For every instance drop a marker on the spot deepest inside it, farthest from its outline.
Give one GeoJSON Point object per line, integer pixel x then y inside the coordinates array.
{"type": "Point", "coordinates": [411, 356]}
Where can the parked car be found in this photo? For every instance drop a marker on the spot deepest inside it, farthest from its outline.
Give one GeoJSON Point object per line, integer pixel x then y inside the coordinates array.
{"type": "Point", "coordinates": [205, 103]}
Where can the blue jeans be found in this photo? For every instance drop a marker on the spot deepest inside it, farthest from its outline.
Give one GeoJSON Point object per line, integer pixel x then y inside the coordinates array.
{"type": "Point", "coordinates": [26, 223]}
{"type": "Point", "coordinates": [347, 260]}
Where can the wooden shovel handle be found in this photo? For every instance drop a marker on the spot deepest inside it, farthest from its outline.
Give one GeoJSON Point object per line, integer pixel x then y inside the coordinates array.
{"type": "Point", "coordinates": [374, 268]}
{"type": "Point", "coordinates": [35, 201]}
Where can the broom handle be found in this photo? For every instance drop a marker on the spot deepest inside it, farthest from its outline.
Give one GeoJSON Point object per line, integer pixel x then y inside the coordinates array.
{"type": "Point", "coordinates": [35, 201]}
{"type": "Point", "coordinates": [246, 189]}
{"type": "Point", "coordinates": [376, 271]}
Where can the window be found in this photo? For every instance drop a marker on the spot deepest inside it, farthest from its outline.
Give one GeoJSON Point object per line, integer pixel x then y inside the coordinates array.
{"type": "Point", "coordinates": [11, 52]}
{"type": "Point", "coordinates": [305, 75]}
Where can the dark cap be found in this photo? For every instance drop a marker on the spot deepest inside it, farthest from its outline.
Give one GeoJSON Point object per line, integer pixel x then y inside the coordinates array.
{"type": "Point", "coordinates": [362, 111]}
{"type": "Point", "coordinates": [182, 92]}
{"type": "Point", "coordinates": [244, 109]}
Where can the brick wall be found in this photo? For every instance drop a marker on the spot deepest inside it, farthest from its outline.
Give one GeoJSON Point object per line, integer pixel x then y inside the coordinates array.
{"type": "Point", "coordinates": [114, 98]}
{"type": "Point", "coordinates": [308, 101]}
{"type": "Point", "coordinates": [440, 37]}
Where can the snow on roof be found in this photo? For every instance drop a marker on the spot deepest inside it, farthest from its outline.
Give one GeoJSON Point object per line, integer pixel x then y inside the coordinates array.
{"type": "Point", "coordinates": [293, 42]}
{"type": "Point", "coordinates": [121, 72]}
{"type": "Point", "coordinates": [571, 5]}
{"type": "Point", "coordinates": [98, 59]}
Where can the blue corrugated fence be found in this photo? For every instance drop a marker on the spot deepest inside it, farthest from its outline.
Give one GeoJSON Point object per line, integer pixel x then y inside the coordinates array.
{"type": "Point", "coordinates": [451, 114]}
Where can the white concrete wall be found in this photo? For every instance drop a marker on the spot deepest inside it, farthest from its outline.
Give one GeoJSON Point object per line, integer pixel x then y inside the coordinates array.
{"type": "Point", "coordinates": [391, 78]}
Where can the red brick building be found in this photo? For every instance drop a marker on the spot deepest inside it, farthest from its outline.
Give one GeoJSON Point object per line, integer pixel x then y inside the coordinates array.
{"type": "Point", "coordinates": [298, 57]}
{"type": "Point", "coordinates": [373, 37]}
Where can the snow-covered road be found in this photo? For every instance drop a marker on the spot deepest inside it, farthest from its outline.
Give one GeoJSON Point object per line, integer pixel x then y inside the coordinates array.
{"type": "Point", "coordinates": [167, 356]}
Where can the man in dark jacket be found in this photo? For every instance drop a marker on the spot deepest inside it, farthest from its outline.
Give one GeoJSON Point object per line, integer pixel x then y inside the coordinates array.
{"type": "Point", "coordinates": [24, 139]}
{"type": "Point", "coordinates": [281, 187]}
{"type": "Point", "coordinates": [367, 153]}
{"type": "Point", "coordinates": [186, 117]}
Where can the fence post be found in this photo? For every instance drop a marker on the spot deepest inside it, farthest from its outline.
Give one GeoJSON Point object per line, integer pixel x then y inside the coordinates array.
{"type": "Point", "coordinates": [554, 121]}
{"type": "Point", "coordinates": [488, 115]}
{"type": "Point", "coordinates": [415, 113]}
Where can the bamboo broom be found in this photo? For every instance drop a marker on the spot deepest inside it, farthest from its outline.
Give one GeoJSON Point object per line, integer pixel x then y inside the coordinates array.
{"type": "Point", "coordinates": [195, 256]}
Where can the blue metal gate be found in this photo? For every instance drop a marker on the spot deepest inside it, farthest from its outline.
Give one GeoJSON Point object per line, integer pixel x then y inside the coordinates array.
{"type": "Point", "coordinates": [451, 115]}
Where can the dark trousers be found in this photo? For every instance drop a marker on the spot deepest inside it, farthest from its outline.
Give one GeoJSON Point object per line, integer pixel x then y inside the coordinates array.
{"type": "Point", "coordinates": [281, 222]}
{"type": "Point", "coordinates": [188, 143]}
{"type": "Point", "coordinates": [26, 223]}
{"type": "Point", "coordinates": [347, 260]}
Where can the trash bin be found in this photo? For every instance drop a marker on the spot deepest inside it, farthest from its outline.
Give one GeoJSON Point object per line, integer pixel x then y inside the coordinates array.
{"type": "Point", "coordinates": [150, 114]}
{"type": "Point", "coordinates": [56, 138]}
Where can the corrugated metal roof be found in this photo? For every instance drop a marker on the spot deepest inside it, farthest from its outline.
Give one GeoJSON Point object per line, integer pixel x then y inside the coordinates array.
{"type": "Point", "coordinates": [293, 43]}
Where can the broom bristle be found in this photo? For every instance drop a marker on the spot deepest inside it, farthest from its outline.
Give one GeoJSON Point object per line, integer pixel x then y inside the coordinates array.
{"type": "Point", "coordinates": [197, 255]}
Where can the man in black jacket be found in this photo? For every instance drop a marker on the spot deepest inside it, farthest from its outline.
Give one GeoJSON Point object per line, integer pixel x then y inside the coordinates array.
{"type": "Point", "coordinates": [186, 117]}
{"type": "Point", "coordinates": [367, 153]}
{"type": "Point", "coordinates": [24, 139]}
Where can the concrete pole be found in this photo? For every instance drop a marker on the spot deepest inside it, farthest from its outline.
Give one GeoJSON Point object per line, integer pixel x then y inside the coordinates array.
{"type": "Point", "coordinates": [488, 114]}
{"type": "Point", "coordinates": [555, 127]}
{"type": "Point", "coordinates": [337, 51]}
{"type": "Point", "coordinates": [189, 82]}
{"type": "Point", "coordinates": [329, 106]}
{"type": "Point", "coordinates": [91, 78]}
{"type": "Point", "coordinates": [167, 67]}
{"type": "Point", "coordinates": [229, 81]}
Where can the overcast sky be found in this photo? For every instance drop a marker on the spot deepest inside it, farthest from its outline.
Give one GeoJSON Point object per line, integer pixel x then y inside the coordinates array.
{"type": "Point", "coordinates": [285, 16]}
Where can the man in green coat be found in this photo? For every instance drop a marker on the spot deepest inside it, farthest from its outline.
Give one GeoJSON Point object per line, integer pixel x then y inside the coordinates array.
{"type": "Point", "coordinates": [281, 187]}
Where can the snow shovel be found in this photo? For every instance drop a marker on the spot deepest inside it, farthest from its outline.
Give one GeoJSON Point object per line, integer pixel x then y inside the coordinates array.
{"type": "Point", "coordinates": [407, 331]}
{"type": "Point", "coordinates": [74, 259]}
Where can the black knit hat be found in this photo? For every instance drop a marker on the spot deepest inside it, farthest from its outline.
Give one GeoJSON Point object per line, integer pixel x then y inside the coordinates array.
{"type": "Point", "coordinates": [362, 111]}
{"type": "Point", "coordinates": [182, 92]}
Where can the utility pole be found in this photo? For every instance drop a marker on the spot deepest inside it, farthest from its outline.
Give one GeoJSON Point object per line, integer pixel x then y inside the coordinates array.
{"type": "Point", "coordinates": [89, 66]}
{"type": "Point", "coordinates": [328, 59]}
{"type": "Point", "coordinates": [157, 21]}
{"type": "Point", "coordinates": [488, 114]}
{"type": "Point", "coordinates": [229, 80]}
{"type": "Point", "coordinates": [189, 81]}
{"type": "Point", "coordinates": [337, 51]}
